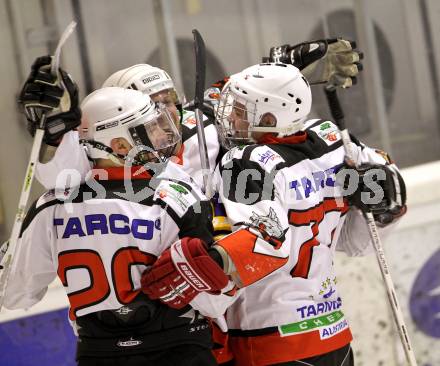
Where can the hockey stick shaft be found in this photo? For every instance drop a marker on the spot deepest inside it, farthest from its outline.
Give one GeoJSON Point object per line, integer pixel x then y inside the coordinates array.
{"type": "Point", "coordinates": [29, 178]}
{"type": "Point", "coordinates": [338, 115]}
{"type": "Point", "coordinates": [200, 53]}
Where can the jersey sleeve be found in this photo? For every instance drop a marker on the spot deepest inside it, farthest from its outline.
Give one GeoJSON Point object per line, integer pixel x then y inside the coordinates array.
{"type": "Point", "coordinates": [187, 212]}
{"type": "Point", "coordinates": [252, 193]}
{"type": "Point", "coordinates": [33, 265]}
{"type": "Point", "coordinates": [69, 156]}
{"type": "Point", "coordinates": [354, 237]}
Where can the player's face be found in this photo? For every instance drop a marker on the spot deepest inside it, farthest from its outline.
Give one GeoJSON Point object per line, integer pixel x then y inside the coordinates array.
{"type": "Point", "coordinates": [120, 146]}
{"type": "Point", "coordinates": [239, 120]}
{"type": "Point", "coordinates": [169, 98]}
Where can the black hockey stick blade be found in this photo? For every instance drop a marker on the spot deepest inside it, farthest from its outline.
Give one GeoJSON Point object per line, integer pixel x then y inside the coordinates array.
{"type": "Point", "coordinates": [200, 53]}
{"type": "Point", "coordinates": [335, 106]}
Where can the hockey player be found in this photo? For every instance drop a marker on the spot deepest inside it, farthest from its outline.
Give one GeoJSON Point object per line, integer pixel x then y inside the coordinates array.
{"type": "Point", "coordinates": [99, 238]}
{"type": "Point", "coordinates": [333, 60]}
{"type": "Point", "coordinates": [278, 184]}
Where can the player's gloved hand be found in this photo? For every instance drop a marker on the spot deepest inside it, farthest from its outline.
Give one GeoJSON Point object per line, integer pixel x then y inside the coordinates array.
{"type": "Point", "coordinates": [182, 272]}
{"type": "Point", "coordinates": [381, 191]}
{"type": "Point", "coordinates": [335, 61]}
{"type": "Point", "coordinates": [56, 96]}
{"type": "Point", "coordinates": [3, 249]}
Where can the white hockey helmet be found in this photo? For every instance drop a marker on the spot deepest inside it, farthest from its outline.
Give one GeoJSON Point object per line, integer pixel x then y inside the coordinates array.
{"type": "Point", "coordinates": [116, 115]}
{"type": "Point", "coordinates": [267, 89]}
{"type": "Point", "coordinates": [145, 78]}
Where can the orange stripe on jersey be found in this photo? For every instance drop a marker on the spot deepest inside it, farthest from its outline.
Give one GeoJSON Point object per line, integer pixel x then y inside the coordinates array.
{"type": "Point", "coordinates": [250, 266]}
{"type": "Point", "coordinates": [272, 348]}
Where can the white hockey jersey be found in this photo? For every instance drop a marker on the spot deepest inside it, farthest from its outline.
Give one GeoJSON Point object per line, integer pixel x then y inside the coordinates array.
{"type": "Point", "coordinates": [286, 193]}
{"type": "Point", "coordinates": [71, 160]}
{"type": "Point", "coordinates": [100, 237]}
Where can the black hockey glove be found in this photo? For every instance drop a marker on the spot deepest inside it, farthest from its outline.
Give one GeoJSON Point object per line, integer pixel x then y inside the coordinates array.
{"type": "Point", "coordinates": [334, 61]}
{"type": "Point", "coordinates": [380, 190]}
{"type": "Point", "coordinates": [56, 96]}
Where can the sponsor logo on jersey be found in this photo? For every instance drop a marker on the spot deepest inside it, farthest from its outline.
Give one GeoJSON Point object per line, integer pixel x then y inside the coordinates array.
{"type": "Point", "coordinates": [267, 156]}
{"type": "Point", "coordinates": [151, 78]}
{"type": "Point", "coordinates": [179, 188]}
{"type": "Point", "coordinates": [327, 131]}
{"type": "Point", "coordinates": [129, 343]}
{"type": "Point", "coordinates": [102, 224]}
{"type": "Point", "coordinates": [269, 227]}
{"type": "Point", "coordinates": [327, 289]}
{"type": "Point", "coordinates": [320, 179]}
{"type": "Point", "coordinates": [334, 329]}
{"type": "Point", "coordinates": [176, 196]}
{"type": "Point", "coordinates": [308, 311]}
{"type": "Point", "coordinates": [328, 325]}
{"type": "Point", "coordinates": [191, 121]}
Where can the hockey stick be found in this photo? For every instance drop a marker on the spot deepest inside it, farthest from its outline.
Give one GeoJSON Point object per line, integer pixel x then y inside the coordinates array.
{"type": "Point", "coordinates": [30, 173]}
{"type": "Point", "coordinates": [199, 50]}
{"type": "Point", "coordinates": [338, 115]}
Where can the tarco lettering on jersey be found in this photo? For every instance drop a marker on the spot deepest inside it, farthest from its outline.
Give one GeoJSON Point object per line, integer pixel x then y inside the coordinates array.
{"type": "Point", "coordinates": [101, 224]}
{"type": "Point", "coordinates": [320, 179]}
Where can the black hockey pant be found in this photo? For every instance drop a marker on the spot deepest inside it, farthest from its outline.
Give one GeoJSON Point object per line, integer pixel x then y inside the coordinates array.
{"type": "Point", "coordinates": [185, 355]}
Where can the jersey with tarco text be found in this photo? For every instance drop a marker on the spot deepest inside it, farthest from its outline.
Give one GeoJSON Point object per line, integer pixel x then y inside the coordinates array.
{"type": "Point", "coordinates": [288, 193]}
{"type": "Point", "coordinates": [98, 239]}
{"type": "Point", "coordinates": [70, 155]}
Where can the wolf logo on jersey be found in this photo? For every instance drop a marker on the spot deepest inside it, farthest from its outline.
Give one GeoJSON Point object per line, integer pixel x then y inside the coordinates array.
{"type": "Point", "coordinates": [270, 227]}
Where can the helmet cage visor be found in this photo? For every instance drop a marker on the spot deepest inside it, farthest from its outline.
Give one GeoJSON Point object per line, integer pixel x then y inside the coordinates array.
{"type": "Point", "coordinates": [237, 119]}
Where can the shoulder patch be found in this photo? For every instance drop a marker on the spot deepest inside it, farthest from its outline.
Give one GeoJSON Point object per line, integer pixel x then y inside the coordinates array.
{"type": "Point", "coordinates": [234, 153]}
{"type": "Point", "coordinates": [189, 119]}
{"type": "Point", "coordinates": [327, 131]}
{"type": "Point", "coordinates": [175, 195]}
{"type": "Point", "coordinates": [266, 157]}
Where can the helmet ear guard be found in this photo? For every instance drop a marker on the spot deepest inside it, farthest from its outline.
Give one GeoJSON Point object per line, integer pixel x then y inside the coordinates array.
{"type": "Point", "coordinates": [269, 88]}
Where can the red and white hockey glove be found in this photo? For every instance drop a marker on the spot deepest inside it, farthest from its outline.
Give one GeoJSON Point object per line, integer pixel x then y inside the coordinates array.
{"type": "Point", "coordinates": [182, 272]}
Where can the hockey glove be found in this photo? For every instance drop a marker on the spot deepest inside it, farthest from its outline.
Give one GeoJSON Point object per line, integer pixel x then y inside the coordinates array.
{"type": "Point", "coordinates": [182, 272]}
{"type": "Point", "coordinates": [56, 96]}
{"type": "Point", "coordinates": [381, 191]}
{"type": "Point", "coordinates": [334, 61]}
